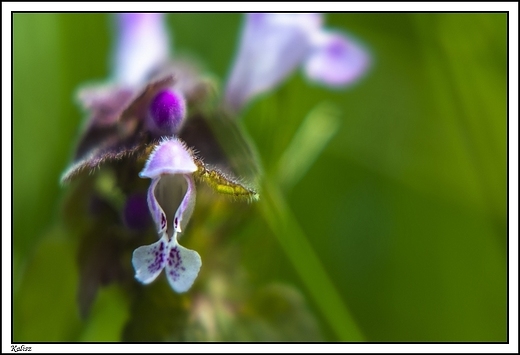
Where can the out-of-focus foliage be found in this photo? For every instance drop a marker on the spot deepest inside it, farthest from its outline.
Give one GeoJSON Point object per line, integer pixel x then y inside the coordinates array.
{"type": "Point", "coordinates": [404, 210]}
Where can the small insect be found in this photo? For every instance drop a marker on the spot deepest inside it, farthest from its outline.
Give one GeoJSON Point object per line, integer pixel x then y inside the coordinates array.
{"type": "Point", "coordinates": [226, 161]}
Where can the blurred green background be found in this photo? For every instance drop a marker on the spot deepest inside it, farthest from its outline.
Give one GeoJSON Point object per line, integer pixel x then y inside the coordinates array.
{"type": "Point", "coordinates": [404, 208]}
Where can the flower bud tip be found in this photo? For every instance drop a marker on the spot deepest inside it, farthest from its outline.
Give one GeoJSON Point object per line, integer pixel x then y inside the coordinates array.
{"type": "Point", "coordinates": [167, 112]}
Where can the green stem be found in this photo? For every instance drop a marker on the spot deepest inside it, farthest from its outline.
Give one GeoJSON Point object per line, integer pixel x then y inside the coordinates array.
{"type": "Point", "coordinates": [307, 264]}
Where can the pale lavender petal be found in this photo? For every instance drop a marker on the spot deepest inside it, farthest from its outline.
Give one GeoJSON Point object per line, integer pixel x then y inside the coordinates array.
{"type": "Point", "coordinates": [183, 214]}
{"type": "Point", "coordinates": [149, 260]}
{"type": "Point", "coordinates": [170, 157]}
{"type": "Point", "coordinates": [143, 43]}
{"type": "Point", "coordinates": [104, 103]}
{"type": "Point", "coordinates": [158, 215]}
{"type": "Point", "coordinates": [335, 60]}
{"type": "Point", "coordinates": [182, 266]}
{"type": "Point", "coordinates": [271, 47]}
{"type": "Point", "coordinates": [171, 199]}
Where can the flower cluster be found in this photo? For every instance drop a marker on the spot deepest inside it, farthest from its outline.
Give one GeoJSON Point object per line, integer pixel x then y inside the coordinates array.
{"type": "Point", "coordinates": [148, 118]}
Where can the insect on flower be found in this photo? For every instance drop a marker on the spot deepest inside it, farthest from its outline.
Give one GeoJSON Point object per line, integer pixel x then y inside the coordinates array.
{"type": "Point", "coordinates": [159, 118]}
{"type": "Point", "coordinates": [164, 125]}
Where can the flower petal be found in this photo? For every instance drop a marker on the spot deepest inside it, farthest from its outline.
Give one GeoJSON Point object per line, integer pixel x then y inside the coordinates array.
{"type": "Point", "coordinates": [182, 266]}
{"type": "Point", "coordinates": [170, 157]}
{"type": "Point", "coordinates": [149, 260]}
{"type": "Point", "coordinates": [158, 215]}
{"type": "Point", "coordinates": [104, 103]}
{"type": "Point", "coordinates": [271, 47]}
{"type": "Point", "coordinates": [183, 214]}
{"type": "Point", "coordinates": [169, 193]}
{"type": "Point", "coordinates": [143, 43]}
{"type": "Point", "coordinates": [335, 60]}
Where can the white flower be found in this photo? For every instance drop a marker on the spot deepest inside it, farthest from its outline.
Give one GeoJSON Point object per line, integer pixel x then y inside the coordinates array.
{"type": "Point", "coordinates": [171, 198]}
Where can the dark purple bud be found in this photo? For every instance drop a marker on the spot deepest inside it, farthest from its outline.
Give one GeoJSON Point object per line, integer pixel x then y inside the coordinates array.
{"type": "Point", "coordinates": [167, 112]}
{"type": "Point", "coordinates": [136, 214]}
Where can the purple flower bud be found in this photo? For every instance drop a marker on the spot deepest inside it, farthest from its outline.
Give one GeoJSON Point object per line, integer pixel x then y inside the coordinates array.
{"type": "Point", "coordinates": [136, 215]}
{"type": "Point", "coordinates": [167, 112]}
{"type": "Point", "coordinates": [272, 46]}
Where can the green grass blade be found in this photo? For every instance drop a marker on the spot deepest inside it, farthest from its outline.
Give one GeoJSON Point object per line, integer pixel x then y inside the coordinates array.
{"type": "Point", "coordinates": [307, 264]}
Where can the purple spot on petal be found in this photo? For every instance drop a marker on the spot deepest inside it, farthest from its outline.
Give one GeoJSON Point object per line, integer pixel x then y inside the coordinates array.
{"type": "Point", "coordinates": [175, 262]}
{"type": "Point", "coordinates": [156, 261]}
{"type": "Point", "coordinates": [163, 221]}
{"type": "Point", "coordinates": [175, 257]}
{"type": "Point", "coordinates": [174, 275]}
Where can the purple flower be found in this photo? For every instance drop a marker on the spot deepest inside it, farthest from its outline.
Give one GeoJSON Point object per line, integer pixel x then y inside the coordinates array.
{"type": "Point", "coordinates": [273, 45]}
{"type": "Point", "coordinates": [142, 48]}
{"type": "Point", "coordinates": [170, 167]}
{"type": "Point", "coordinates": [142, 45]}
{"type": "Point", "coordinates": [155, 105]}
